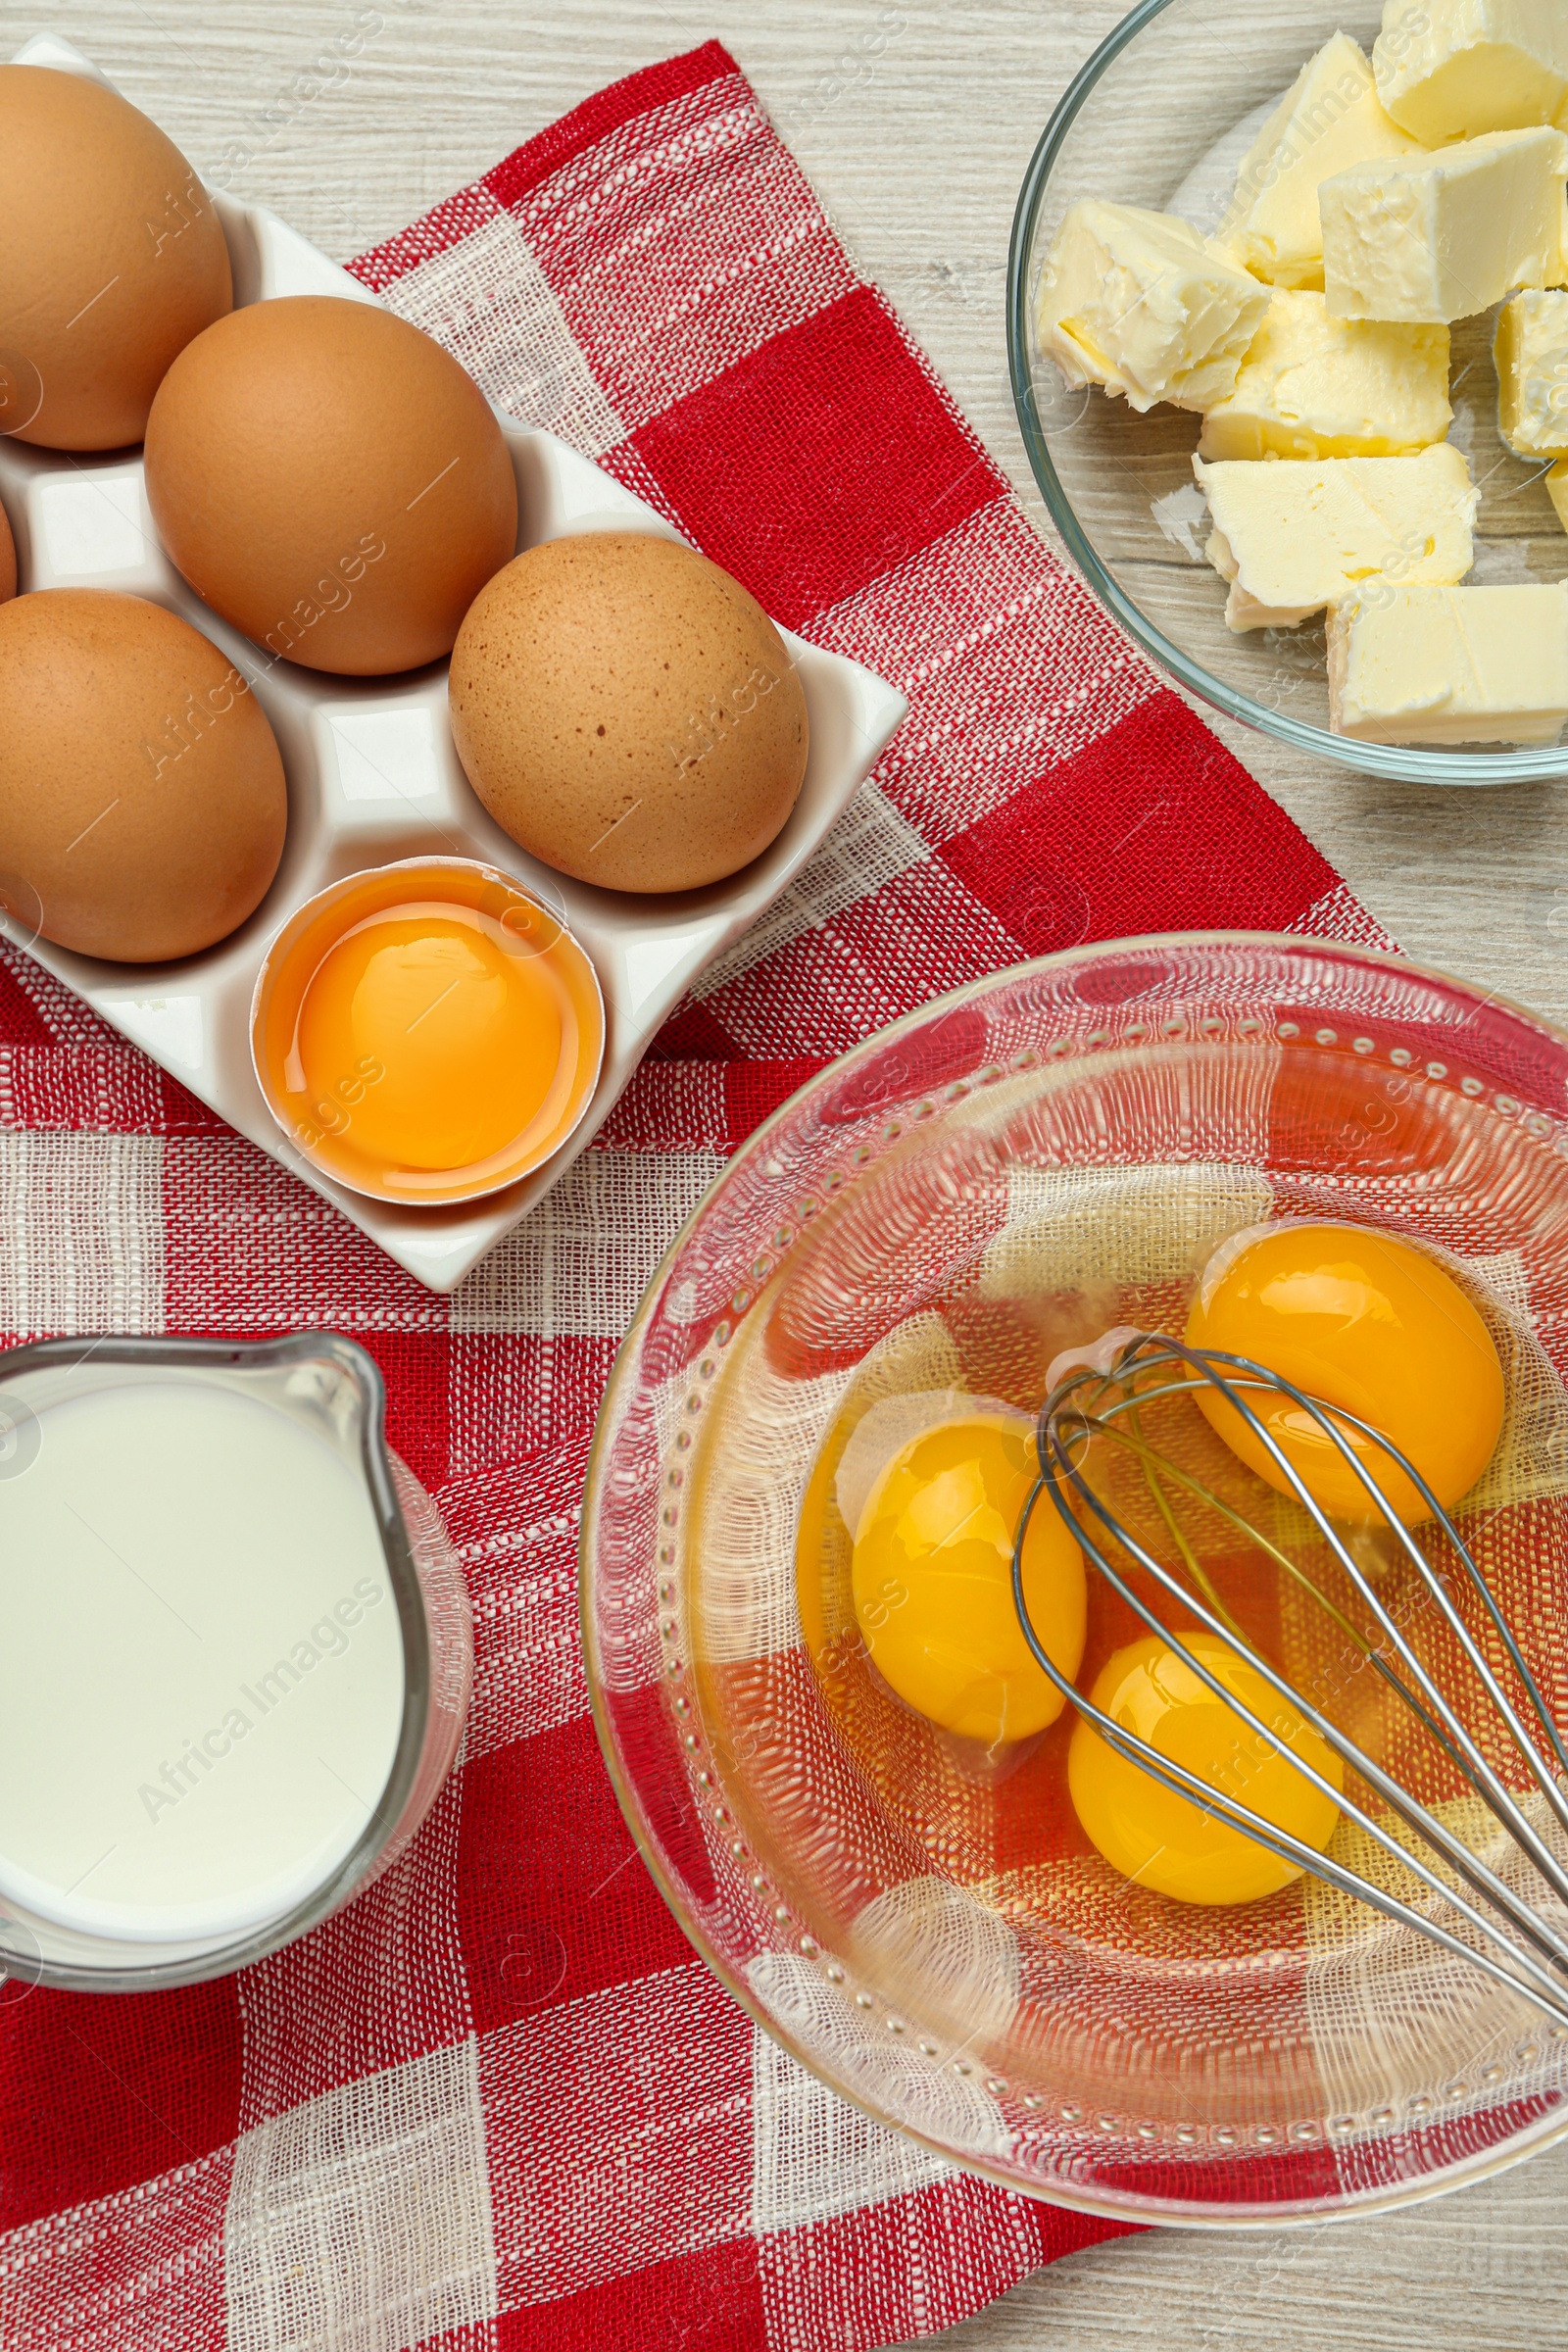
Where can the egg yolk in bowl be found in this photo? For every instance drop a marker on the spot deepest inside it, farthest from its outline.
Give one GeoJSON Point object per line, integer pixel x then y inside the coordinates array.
{"type": "Point", "coordinates": [1370, 1324]}
{"type": "Point", "coordinates": [1166, 1841]}
{"type": "Point", "coordinates": [932, 1581]}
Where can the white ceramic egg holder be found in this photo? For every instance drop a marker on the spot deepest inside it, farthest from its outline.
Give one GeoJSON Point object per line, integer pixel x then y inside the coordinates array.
{"type": "Point", "coordinates": [373, 777]}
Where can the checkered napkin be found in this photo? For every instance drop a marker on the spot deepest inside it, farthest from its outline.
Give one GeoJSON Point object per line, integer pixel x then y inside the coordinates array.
{"type": "Point", "coordinates": [498, 2102]}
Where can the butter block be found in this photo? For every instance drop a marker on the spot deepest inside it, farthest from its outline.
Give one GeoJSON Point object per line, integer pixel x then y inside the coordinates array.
{"type": "Point", "coordinates": [1449, 665]}
{"type": "Point", "coordinates": [1294, 538]}
{"type": "Point", "coordinates": [1313, 387]}
{"type": "Point", "coordinates": [1140, 303]}
{"type": "Point", "coordinates": [1531, 351]}
{"type": "Point", "coordinates": [1557, 490]}
{"type": "Point", "coordinates": [1441, 237]}
{"type": "Point", "coordinates": [1331, 119]}
{"type": "Point", "coordinates": [1454, 68]}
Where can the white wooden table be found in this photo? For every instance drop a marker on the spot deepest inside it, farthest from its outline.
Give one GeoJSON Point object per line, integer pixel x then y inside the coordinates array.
{"type": "Point", "coordinates": [915, 120]}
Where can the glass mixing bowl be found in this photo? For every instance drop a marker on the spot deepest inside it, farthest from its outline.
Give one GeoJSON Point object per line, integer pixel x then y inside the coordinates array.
{"type": "Point", "coordinates": [1045, 1155]}
{"type": "Point", "coordinates": [1162, 116]}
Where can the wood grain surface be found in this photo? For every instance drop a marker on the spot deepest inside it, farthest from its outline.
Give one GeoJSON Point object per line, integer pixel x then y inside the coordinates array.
{"type": "Point", "coordinates": [915, 120]}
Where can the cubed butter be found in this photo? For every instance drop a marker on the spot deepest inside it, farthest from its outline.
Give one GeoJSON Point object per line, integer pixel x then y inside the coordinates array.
{"type": "Point", "coordinates": [1313, 387]}
{"type": "Point", "coordinates": [1331, 119]}
{"type": "Point", "coordinates": [1293, 538]}
{"type": "Point", "coordinates": [1557, 489]}
{"type": "Point", "coordinates": [1449, 665]}
{"type": "Point", "coordinates": [1140, 303]}
{"type": "Point", "coordinates": [1532, 356]}
{"type": "Point", "coordinates": [1439, 237]}
{"type": "Point", "coordinates": [1453, 68]}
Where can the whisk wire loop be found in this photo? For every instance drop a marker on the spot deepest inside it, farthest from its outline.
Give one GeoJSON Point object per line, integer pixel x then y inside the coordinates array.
{"type": "Point", "coordinates": [1478, 1770]}
{"type": "Point", "coordinates": [1473, 1762]}
{"type": "Point", "coordinates": [1497, 1795]}
{"type": "Point", "coordinates": [1072, 1418]}
{"type": "Point", "coordinates": [1209, 1799]}
{"type": "Point", "coordinates": [1542, 1988]}
{"type": "Point", "coordinates": [1551, 1787]}
{"type": "Point", "coordinates": [1216, 1502]}
{"type": "Point", "coordinates": [1263, 1379]}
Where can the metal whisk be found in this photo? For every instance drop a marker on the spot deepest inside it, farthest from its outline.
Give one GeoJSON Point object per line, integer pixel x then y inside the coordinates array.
{"type": "Point", "coordinates": [1100, 1397]}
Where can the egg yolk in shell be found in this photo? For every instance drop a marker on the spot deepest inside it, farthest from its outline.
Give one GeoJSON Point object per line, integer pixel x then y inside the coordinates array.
{"type": "Point", "coordinates": [1368, 1323]}
{"type": "Point", "coordinates": [468, 1036]}
{"type": "Point", "coordinates": [427, 1031]}
{"type": "Point", "coordinates": [1170, 1843]}
{"type": "Point", "coordinates": [932, 1581]}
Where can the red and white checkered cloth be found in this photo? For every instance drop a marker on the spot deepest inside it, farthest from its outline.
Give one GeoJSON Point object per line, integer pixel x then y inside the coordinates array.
{"type": "Point", "coordinates": [498, 2102]}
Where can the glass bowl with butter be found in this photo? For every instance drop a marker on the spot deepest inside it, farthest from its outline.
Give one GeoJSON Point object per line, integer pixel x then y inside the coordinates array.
{"type": "Point", "coordinates": [1292, 370]}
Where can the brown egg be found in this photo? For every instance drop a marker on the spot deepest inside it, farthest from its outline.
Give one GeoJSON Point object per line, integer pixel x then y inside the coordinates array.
{"type": "Point", "coordinates": [628, 713]}
{"type": "Point", "coordinates": [8, 560]}
{"type": "Point", "coordinates": [142, 803]}
{"type": "Point", "coordinates": [330, 481]}
{"type": "Point", "coordinates": [110, 259]}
